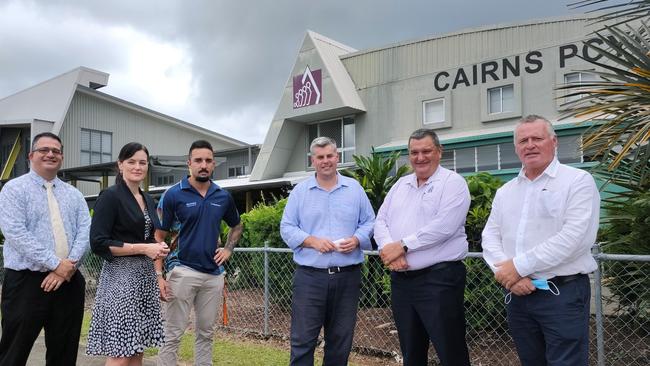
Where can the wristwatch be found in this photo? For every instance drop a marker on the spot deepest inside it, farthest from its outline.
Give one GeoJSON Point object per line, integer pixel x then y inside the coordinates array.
{"type": "Point", "coordinates": [406, 249]}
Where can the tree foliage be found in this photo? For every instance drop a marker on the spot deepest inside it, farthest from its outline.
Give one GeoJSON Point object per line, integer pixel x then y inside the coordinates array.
{"type": "Point", "coordinates": [375, 174]}
{"type": "Point", "coordinates": [619, 103]}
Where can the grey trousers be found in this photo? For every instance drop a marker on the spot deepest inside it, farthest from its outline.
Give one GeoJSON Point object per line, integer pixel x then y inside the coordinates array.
{"type": "Point", "coordinates": [202, 291]}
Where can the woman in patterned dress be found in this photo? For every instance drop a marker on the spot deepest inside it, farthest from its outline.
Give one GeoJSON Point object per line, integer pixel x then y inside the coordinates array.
{"type": "Point", "coordinates": [126, 318]}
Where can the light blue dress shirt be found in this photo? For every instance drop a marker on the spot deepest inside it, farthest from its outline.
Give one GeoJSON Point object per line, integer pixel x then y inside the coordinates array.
{"type": "Point", "coordinates": [340, 213]}
{"type": "Point", "coordinates": [26, 226]}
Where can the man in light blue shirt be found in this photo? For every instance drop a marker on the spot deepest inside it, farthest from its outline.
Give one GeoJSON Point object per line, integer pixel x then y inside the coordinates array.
{"type": "Point", "coordinates": [42, 250]}
{"type": "Point", "coordinates": [327, 222]}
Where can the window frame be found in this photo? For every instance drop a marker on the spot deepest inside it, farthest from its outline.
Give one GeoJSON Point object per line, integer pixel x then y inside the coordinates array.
{"type": "Point", "coordinates": [342, 150]}
{"type": "Point", "coordinates": [516, 111]}
{"type": "Point", "coordinates": [102, 153]}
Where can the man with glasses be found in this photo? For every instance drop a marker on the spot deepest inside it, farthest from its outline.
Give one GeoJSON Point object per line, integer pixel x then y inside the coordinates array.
{"type": "Point", "coordinates": [420, 231]}
{"type": "Point", "coordinates": [45, 222]}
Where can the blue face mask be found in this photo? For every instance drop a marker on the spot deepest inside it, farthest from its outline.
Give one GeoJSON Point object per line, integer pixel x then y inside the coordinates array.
{"type": "Point", "coordinates": [540, 284]}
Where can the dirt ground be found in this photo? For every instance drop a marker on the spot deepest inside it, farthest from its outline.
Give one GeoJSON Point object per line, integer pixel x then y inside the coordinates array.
{"type": "Point", "coordinates": [376, 342]}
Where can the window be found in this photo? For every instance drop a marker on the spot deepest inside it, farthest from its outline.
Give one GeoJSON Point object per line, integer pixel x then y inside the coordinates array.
{"type": "Point", "coordinates": [448, 159]}
{"type": "Point", "coordinates": [569, 149]}
{"type": "Point", "coordinates": [508, 158]}
{"type": "Point", "coordinates": [341, 130]}
{"type": "Point", "coordinates": [96, 147]}
{"type": "Point", "coordinates": [433, 111]}
{"type": "Point", "coordinates": [465, 160]}
{"type": "Point", "coordinates": [501, 99]}
{"type": "Point", "coordinates": [487, 157]}
{"type": "Point", "coordinates": [164, 180]}
{"type": "Point", "coordinates": [503, 156]}
{"type": "Point", "coordinates": [237, 171]}
{"type": "Point", "coordinates": [578, 78]}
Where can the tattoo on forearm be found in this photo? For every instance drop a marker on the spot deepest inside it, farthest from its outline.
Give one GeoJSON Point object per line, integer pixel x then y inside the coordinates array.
{"type": "Point", "coordinates": [233, 237]}
{"type": "Point", "coordinates": [230, 245]}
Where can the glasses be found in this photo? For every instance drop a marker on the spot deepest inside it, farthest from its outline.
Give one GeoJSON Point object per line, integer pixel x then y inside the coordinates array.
{"type": "Point", "coordinates": [47, 150]}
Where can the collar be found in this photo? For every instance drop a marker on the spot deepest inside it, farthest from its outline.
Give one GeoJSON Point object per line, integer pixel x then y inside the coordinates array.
{"type": "Point", "coordinates": [412, 180]}
{"type": "Point", "coordinates": [551, 171]}
{"type": "Point", "coordinates": [41, 181]}
{"type": "Point", "coordinates": [186, 186]}
{"type": "Point", "coordinates": [340, 181]}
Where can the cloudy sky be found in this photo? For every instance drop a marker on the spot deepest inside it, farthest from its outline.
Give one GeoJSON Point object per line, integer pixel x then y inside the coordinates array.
{"type": "Point", "coordinates": [218, 64]}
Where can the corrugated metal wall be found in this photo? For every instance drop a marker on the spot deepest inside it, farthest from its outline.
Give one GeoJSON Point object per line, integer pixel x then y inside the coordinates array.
{"type": "Point", "coordinates": [160, 137]}
{"type": "Point", "coordinates": [429, 56]}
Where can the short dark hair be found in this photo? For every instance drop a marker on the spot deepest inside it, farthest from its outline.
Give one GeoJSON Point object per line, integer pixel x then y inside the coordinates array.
{"type": "Point", "coordinates": [126, 152]}
{"type": "Point", "coordinates": [424, 132]}
{"type": "Point", "coordinates": [46, 134]}
{"type": "Point", "coordinates": [200, 144]}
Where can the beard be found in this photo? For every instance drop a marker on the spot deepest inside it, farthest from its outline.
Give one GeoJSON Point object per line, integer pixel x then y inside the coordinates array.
{"type": "Point", "coordinates": [202, 179]}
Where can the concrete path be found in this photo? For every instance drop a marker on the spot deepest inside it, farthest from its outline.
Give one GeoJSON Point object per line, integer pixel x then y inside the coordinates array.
{"type": "Point", "coordinates": [37, 357]}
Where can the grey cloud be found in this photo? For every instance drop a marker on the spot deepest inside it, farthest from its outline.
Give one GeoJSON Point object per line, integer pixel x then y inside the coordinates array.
{"type": "Point", "coordinates": [242, 51]}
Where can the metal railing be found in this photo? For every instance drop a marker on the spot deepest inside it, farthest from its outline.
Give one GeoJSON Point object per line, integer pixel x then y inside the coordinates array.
{"type": "Point", "coordinates": [259, 290]}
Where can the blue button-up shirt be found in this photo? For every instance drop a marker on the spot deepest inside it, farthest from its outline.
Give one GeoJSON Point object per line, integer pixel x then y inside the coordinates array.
{"type": "Point", "coordinates": [26, 226]}
{"type": "Point", "coordinates": [343, 212]}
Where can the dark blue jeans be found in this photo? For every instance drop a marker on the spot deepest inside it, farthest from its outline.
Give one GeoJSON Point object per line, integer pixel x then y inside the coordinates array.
{"type": "Point", "coordinates": [324, 300]}
{"type": "Point", "coordinates": [552, 330]}
{"type": "Point", "coordinates": [428, 305]}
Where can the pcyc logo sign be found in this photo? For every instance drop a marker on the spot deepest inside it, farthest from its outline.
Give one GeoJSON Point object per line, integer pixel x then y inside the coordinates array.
{"type": "Point", "coordinates": [307, 88]}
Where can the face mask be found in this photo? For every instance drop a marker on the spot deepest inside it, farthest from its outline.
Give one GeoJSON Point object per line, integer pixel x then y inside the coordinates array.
{"type": "Point", "coordinates": [540, 284]}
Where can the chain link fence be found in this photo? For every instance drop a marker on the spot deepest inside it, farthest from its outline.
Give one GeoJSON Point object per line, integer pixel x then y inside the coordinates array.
{"type": "Point", "coordinates": [258, 298]}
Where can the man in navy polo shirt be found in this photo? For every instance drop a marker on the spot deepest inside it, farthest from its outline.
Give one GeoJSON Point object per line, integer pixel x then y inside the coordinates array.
{"type": "Point", "coordinates": [195, 207]}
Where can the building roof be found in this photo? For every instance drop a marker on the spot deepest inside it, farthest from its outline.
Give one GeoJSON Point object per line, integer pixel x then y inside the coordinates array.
{"type": "Point", "coordinates": [54, 96]}
{"type": "Point", "coordinates": [466, 31]}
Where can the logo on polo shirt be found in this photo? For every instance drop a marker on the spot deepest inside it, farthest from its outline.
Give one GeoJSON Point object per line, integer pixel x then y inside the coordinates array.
{"type": "Point", "coordinates": [215, 204]}
{"type": "Point", "coordinates": [190, 204]}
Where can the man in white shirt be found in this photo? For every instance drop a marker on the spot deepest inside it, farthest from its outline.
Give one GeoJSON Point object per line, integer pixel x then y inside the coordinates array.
{"type": "Point", "coordinates": [541, 228]}
{"type": "Point", "coordinates": [420, 231]}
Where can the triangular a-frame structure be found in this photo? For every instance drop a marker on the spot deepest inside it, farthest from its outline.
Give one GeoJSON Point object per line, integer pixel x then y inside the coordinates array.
{"type": "Point", "coordinates": [319, 88]}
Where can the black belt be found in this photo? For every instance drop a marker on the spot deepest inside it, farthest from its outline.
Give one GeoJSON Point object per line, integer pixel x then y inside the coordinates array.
{"type": "Point", "coordinates": [561, 280]}
{"type": "Point", "coordinates": [419, 272]}
{"type": "Point", "coordinates": [332, 270]}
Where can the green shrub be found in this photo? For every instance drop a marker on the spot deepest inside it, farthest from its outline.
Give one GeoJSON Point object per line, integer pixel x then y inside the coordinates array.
{"type": "Point", "coordinates": [482, 188]}
{"type": "Point", "coordinates": [246, 270]}
{"type": "Point", "coordinates": [626, 231]}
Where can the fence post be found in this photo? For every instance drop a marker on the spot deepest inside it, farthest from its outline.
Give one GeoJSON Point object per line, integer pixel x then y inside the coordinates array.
{"type": "Point", "coordinates": [598, 292]}
{"type": "Point", "coordinates": [266, 288]}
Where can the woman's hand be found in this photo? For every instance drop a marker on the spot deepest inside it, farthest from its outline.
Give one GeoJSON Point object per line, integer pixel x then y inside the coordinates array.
{"type": "Point", "coordinates": [156, 250]}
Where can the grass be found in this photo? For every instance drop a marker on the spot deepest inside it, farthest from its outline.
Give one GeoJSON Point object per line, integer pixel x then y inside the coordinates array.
{"type": "Point", "coordinates": [225, 351]}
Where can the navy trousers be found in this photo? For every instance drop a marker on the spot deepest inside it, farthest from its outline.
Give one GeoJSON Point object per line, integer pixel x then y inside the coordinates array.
{"type": "Point", "coordinates": [26, 309]}
{"type": "Point", "coordinates": [323, 300]}
{"type": "Point", "coordinates": [428, 305]}
{"type": "Point", "coordinates": [552, 330]}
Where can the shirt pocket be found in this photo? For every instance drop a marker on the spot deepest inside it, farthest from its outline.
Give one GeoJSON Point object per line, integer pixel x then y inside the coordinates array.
{"type": "Point", "coordinates": [549, 204]}
{"type": "Point", "coordinates": [430, 204]}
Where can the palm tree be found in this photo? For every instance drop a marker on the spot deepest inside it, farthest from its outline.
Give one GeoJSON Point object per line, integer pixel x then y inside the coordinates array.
{"type": "Point", "coordinates": [375, 174]}
{"type": "Point", "coordinates": [620, 106]}
{"type": "Point", "coordinates": [619, 103]}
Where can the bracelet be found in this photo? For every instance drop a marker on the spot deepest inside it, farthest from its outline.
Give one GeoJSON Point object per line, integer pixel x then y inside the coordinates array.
{"type": "Point", "coordinates": [159, 274]}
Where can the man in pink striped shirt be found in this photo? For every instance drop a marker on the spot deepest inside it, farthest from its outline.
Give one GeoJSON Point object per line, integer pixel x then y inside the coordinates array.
{"type": "Point", "coordinates": [420, 230]}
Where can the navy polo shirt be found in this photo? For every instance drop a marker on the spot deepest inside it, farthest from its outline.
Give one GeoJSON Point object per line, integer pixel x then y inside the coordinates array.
{"type": "Point", "coordinates": [198, 222]}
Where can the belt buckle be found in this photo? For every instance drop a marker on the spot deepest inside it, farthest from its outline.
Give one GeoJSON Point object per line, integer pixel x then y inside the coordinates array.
{"type": "Point", "coordinates": [332, 270]}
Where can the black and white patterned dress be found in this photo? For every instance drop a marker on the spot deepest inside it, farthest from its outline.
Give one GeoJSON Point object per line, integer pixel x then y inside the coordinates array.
{"type": "Point", "coordinates": [126, 318]}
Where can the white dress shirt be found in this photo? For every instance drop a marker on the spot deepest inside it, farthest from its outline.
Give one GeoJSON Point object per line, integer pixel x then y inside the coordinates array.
{"type": "Point", "coordinates": [547, 225]}
{"type": "Point", "coordinates": [430, 219]}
